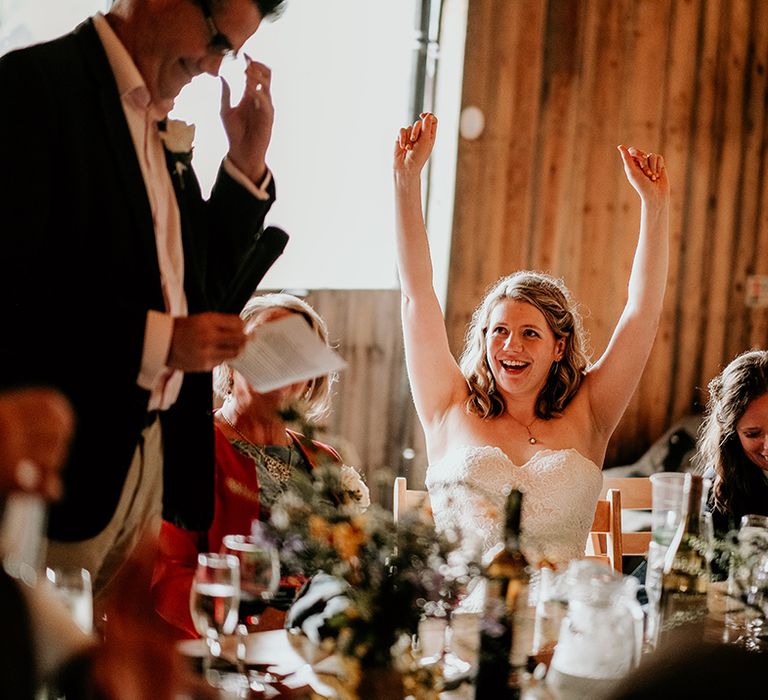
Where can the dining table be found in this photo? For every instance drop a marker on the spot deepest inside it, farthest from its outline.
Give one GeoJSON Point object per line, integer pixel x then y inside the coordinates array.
{"type": "Point", "coordinates": [282, 664]}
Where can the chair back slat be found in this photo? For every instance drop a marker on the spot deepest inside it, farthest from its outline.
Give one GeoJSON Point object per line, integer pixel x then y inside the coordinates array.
{"type": "Point", "coordinates": [625, 494]}
{"type": "Point", "coordinates": [405, 499]}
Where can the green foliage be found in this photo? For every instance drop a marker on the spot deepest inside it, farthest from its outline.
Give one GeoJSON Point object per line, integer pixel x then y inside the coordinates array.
{"type": "Point", "coordinates": [394, 572]}
{"type": "Point", "coordinates": [746, 566]}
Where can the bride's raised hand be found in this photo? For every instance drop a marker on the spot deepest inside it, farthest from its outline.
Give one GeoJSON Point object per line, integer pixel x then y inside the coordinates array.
{"type": "Point", "coordinates": [414, 144]}
{"type": "Point", "coordinates": [647, 173]}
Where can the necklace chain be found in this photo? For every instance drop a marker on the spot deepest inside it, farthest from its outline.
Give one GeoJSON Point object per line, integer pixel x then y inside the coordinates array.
{"type": "Point", "coordinates": [531, 438]}
{"type": "Point", "coordinates": [277, 468]}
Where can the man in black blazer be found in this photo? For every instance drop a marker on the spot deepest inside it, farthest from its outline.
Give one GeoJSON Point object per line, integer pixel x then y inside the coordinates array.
{"type": "Point", "coordinates": [116, 278]}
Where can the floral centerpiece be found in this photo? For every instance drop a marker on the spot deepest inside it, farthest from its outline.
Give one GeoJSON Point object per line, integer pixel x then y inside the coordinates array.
{"type": "Point", "coordinates": [387, 574]}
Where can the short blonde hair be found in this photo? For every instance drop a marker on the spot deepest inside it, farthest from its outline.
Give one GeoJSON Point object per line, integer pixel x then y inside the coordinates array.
{"type": "Point", "coordinates": [317, 399]}
{"type": "Point", "coordinates": [550, 296]}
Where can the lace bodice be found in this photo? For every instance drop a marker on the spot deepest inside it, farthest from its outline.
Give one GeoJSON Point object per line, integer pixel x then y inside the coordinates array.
{"type": "Point", "coordinates": [560, 488]}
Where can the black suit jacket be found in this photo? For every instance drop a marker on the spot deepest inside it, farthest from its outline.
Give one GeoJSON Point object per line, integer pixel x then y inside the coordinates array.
{"type": "Point", "coordinates": [79, 271]}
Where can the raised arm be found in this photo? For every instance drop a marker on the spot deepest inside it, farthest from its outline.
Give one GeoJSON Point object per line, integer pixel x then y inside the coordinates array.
{"type": "Point", "coordinates": [614, 378]}
{"type": "Point", "coordinates": [435, 378]}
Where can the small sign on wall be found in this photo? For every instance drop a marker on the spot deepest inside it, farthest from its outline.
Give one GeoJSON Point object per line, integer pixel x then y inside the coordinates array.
{"type": "Point", "coordinates": [757, 291]}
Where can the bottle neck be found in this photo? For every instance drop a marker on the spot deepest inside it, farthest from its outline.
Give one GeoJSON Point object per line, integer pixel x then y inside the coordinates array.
{"type": "Point", "coordinates": [693, 516]}
{"type": "Point", "coordinates": [512, 541]}
{"type": "Point", "coordinates": [512, 520]}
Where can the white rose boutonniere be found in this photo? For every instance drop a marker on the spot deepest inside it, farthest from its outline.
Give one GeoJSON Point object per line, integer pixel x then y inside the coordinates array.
{"type": "Point", "coordinates": [177, 137]}
{"type": "Point", "coordinates": [357, 495]}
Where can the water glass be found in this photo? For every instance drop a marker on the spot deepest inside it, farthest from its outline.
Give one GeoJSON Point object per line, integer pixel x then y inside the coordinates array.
{"type": "Point", "coordinates": [752, 576]}
{"type": "Point", "coordinates": [72, 585]}
{"type": "Point", "coordinates": [551, 603]}
{"type": "Point", "coordinates": [259, 574]}
{"type": "Point", "coordinates": [668, 493]}
{"type": "Point", "coordinates": [668, 504]}
{"type": "Point", "coordinates": [449, 667]}
{"type": "Point", "coordinates": [214, 601]}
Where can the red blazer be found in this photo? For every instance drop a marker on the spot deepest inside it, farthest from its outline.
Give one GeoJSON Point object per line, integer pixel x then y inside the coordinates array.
{"type": "Point", "coordinates": [236, 507]}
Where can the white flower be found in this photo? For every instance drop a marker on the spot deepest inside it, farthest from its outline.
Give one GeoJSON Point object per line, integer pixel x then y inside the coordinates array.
{"type": "Point", "coordinates": [178, 136]}
{"type": "Point", "coordinates": [359, 497]}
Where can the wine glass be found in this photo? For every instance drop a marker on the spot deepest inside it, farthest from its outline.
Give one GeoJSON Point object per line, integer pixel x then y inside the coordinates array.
{"type": "Point", "coordinates": [452, 669]}
{"type": "Point", "coordinates": [259, 582]}
{"type": "Point", "coordinates": [73, 587]}
{"type": "Point", "coordinates": [214, 602]}
{"type": "Point", "coordinates": [753, 577]}
{"type": "Point", "coordinates": [259, 574]}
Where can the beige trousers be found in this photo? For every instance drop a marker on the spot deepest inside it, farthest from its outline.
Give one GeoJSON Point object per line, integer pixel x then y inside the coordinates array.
{"type": "Point", "coordinates": [139, 507]}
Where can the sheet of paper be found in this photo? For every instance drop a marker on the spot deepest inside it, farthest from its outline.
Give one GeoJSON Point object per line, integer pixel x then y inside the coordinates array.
{"type": "Point", "coordinates": [283, 352]}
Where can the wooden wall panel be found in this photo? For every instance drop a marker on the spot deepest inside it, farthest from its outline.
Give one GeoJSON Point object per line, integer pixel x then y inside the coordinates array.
{"type": "Point", "coordinates": [372, 417]}
{"type": "Point", "coordinates": [757, 176]}
{"type": "Point", "coordinates": [562, 82]}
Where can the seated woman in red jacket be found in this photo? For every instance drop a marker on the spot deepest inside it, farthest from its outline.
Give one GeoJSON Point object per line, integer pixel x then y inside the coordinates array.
{"type": "Point", "coordinates": [256, 455]}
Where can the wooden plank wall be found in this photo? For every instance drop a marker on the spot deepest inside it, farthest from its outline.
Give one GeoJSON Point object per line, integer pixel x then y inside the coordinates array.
{"type": "Point", "coordinates": [561, 83]}
{"type": "Point", "coordinates": [372, 417]}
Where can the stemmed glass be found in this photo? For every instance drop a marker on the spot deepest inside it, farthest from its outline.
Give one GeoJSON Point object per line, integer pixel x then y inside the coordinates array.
{"type": "Point", "coordinates": [259, 574]}
{"type": "Point", "coordinates": [214, 601]}
{"type": "Point", "coordinates": [73, 588]}
{"type": "Point", "coordinates": [259, 582]}
{"type": "Point", "coordinates": [452, 668]}
{"type": "Point", "coordinates": [753, 577]}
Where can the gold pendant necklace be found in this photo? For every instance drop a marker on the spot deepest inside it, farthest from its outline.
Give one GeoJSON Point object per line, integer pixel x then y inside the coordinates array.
{"type": "Point", "coordinates": [531, 438]}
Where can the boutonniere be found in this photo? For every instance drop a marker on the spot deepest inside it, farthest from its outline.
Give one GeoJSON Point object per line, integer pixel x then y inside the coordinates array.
{"type": "Point", "coordinates": [177, 137]}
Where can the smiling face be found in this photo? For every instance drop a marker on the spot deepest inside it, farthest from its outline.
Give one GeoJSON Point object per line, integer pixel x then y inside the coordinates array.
{"type": "Point", "coordinates": [520, 347]}
{"type": "Point", "coordinates": [752, 429]}
{"type": "Point", "coordinates": [172, 45]}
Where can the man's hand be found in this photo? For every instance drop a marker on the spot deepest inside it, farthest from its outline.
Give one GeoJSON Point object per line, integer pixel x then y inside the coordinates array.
{"type": "Point", "coordinates": [36, 427]}
{"type": "Point", "coordinates": [202, 341]}
{"type": "Point", "coordinates": [248, 125]}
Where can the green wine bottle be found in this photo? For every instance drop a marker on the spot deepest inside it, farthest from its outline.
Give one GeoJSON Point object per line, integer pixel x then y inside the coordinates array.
{"type": "Point", "coordinates": [683, 601]}
{"type": "Point", "coordinates": [507, 580]}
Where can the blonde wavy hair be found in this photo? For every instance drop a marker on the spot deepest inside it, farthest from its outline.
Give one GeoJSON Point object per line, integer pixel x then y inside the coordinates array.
{"type": "Point", "coordinates": [316, 400]}
{"type": "Point", "coordinates": [550, 296]}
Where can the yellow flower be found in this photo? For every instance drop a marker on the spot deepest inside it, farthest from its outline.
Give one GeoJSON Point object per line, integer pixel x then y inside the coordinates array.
{"type": "Point", "coordinates": [347, 540]}
{"type": "Point", "coordinates": [319, 529]}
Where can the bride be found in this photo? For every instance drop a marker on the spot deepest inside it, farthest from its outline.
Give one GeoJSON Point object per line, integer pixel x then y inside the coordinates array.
{"type": "Point", "coordinates": [524, 407]}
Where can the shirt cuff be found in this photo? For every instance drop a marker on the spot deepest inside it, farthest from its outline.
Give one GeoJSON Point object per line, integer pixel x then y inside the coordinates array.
{"type": "Point", "coordinates": [260, 191]}
{"type": "Point", "coordinates": [158, 333]}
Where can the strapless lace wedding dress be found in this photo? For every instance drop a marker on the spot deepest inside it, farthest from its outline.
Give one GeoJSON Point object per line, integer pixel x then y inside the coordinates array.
{"type": "Point", "coordinates": [560, 488]}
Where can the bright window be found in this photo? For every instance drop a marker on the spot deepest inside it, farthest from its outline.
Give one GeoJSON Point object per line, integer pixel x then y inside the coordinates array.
{"type": "Point", "coordinates": [342, 75]}
{"type": "Point", "coordinates": [341, 83]}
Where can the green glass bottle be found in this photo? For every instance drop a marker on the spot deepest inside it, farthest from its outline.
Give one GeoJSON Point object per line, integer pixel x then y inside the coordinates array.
{"type": "Point", "coordinates": [684, 582]}
{"type": "Point", "coordinates": [507, 580]}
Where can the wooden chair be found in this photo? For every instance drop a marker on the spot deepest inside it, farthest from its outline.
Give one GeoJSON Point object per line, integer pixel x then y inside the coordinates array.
{"type": "Point", "coordinates": [607, 542]}
{"type": "Point", "coordinates": [611, 537]}
{"type": "Point", "coordinates": [605, 536]}
{"type": "Point", "coordinates": [405, 499]}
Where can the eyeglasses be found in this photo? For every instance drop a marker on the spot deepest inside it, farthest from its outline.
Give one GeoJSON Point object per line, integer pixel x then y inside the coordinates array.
{"type": "Point", "coordinates": [219, 42]}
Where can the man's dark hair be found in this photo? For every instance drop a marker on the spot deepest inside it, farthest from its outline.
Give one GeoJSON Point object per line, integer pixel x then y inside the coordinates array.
{"type": "Point", "coordinates": [270, 7]}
